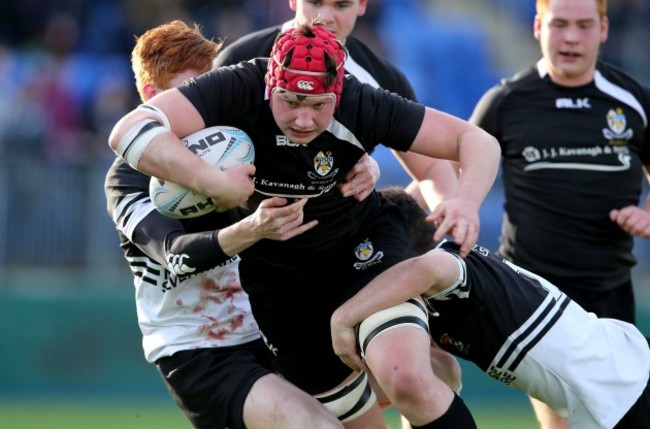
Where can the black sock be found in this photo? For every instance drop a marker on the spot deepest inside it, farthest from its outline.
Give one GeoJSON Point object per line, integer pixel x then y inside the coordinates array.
{"type": "Point", "coordinates": [457, 416]}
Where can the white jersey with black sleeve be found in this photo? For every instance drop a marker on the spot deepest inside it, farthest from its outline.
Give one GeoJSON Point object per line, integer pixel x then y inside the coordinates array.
{"type": "Point", "coordinates": [188, 293]}
{"type": "Point", "coordinates": [523, 331]}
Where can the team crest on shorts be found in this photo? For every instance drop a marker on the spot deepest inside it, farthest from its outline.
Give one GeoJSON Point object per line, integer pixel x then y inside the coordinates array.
{"type": "Point", "coordinates": [365, 252]}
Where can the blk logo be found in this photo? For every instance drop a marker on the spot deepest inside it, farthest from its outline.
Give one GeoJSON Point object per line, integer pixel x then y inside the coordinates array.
{"type": "Point", "coordinates": [568, 103]}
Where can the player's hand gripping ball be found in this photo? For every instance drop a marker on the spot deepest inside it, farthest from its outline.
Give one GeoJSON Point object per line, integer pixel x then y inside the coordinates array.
{"type": "Point", "coordinates": [221, 146]}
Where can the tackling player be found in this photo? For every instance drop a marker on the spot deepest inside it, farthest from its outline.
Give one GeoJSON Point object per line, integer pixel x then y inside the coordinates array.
{"type": "Point", "coordinates": [513, 324]}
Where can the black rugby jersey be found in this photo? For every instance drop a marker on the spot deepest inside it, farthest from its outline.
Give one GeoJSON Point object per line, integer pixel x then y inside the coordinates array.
{"type": "Point", "coordinates": [493, 302]}
{"type": "Point", "coordinates": [569, 156]}
{"type": "Point", "coordinates": [364, 117]}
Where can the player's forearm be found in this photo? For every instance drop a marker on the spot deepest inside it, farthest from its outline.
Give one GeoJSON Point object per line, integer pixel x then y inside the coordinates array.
{"type": "Point", "coordinates": [239, 236]}
{"type": "Point", "coordinates": [394, 286]}
{"type": "Point", "coordinates": [201, 251]}
{"type": "Point", "coordinates": [479, 159]}
{"type": "Point", "coordinates": [169, 159]}
{"type": "Point", "coordinates": [478, 154]}
{"type": "Point", "coordinates": [164, 155]}
{"type": "Point", "coordinates": [438, 189]}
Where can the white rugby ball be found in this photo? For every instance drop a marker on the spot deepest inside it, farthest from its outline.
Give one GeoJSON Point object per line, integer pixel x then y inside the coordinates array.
{"type": "Point", "coordinates": [221, 146]}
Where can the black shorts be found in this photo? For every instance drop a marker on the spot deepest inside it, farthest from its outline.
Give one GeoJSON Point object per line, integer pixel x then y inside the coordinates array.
{"type": "Point", "coordinates": [617, 303]}
{"type": "Point", "coordinates": [211, 385]}
{"type": "Point", "coordinates": [294, 318]}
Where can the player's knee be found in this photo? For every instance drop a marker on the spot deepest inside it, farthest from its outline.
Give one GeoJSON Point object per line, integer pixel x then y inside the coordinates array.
{"type": "Point", "coordinates": [446, 368]}
{"type": "Point", "coordinates": [406, 388]}
{"type": "Point", "coordinates": [275, 402]}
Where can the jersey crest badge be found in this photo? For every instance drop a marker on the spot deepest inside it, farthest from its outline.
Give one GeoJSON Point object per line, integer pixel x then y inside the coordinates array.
{"type": "Point", "coordinates": [323, 163]}
{"type": "Point", "coordinates": [616, 121]}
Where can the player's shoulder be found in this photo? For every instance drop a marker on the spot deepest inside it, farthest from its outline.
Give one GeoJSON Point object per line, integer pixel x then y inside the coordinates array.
{"type": "Point", "coordinates": [387, 75]}
{"type": "Point", "coordinates": [523, 81]}
{"type": "Point", "coordinates": [364, 55]}
{"type": "Point", "coordinates": [611, 71]}
{"type": "Point", "coordinates": [616, 76]}
{"type": "Point", "coordinates": [252, 45]}
{"type": "Point", "coordinates": [248, 71]}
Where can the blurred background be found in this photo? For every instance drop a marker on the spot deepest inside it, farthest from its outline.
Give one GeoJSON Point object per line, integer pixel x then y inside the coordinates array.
{"type": "Point", "coordinates": [67, 318]}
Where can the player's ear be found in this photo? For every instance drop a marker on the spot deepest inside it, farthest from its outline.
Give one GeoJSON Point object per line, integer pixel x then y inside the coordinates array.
{"type": "Point", "coordinates": [293, 4]}
{"type": "Point", "coordinates": [149, 90]}
{"type": "Point", "coordinates": [537, 26]}
{"type": "Point", "coordinates": [604, 29]}
{"type": "Point", "coordinates": [363, 4]}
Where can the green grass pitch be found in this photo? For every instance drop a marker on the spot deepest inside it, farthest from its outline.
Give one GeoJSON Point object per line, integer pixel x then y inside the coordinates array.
{"type": "Point", "coordinates": [139, 414]}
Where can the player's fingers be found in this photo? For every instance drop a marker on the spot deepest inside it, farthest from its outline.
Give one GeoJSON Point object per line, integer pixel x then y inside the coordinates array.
{"type": "Point", "coordinates": [459, 234]}
{"type": "Point", "coordinates": [362, 195]}
{"type": "Point", "coordinates": [468, 240]}
{"type": "Point", "coordinates": [353, 172]}
{"type": "Point", "coordinates": [351, 361]}
{"type": "Point", "coordinates": [292, 221]}
{"type": "Point", "coordinates": [292, 232]}
{"type": "Point", "coordinates": [443, 222]}
{"type": "Point", "coordinates": [361, 184]}
{"type": "Point", "coordinates": [444, 226]}
{"type": "Point", "coordinates": [637, 224]}
{"type": "Point", "coordinates": [273, 202]}
{"type": "Point", "coordinates": [349, 188]}
{"type": "Point", "coordinates": [633, 220]}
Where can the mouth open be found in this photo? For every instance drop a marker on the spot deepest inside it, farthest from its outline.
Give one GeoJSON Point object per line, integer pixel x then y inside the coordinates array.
{"type": "Point", "coordinates": [570, 54]}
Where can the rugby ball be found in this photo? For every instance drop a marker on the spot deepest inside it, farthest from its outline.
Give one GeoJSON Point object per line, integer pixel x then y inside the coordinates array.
{"type": "Point", "coordinates": [221, 146]}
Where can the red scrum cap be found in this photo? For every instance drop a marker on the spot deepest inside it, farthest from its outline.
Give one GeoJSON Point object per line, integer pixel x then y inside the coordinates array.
{"type": "Point", "coordinates": [307, 60]}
